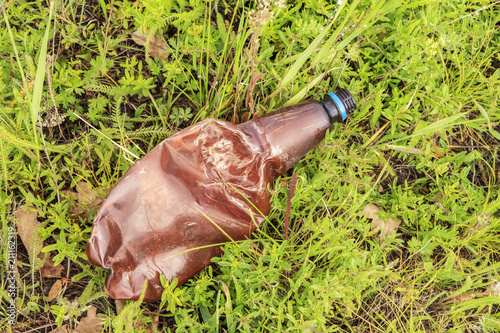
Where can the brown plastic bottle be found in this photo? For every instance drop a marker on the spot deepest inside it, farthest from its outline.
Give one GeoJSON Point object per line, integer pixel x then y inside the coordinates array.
{"type": "Point", "coordinates": [171, 211]}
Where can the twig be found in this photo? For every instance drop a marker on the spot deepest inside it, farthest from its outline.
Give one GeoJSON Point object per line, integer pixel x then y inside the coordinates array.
{"type": "Point", "coordinates": [423, 247]}
{"type": "Point", "coordinates": [250, 103]}
{"type": "Point", "coordinates": [104, 135]}
{"type": "Point", "coordinates": [38, 328]}
{"type": "Point", "coordinates": [48, 158]}
{"type": "Point", "coordinates": [378, 47]}
{"type": "Point", "coordinates": [470, 147]}
{"type": "Point", "coordinates": [67, 277]}
{"type": "Point", "coordinates": [474, 12]}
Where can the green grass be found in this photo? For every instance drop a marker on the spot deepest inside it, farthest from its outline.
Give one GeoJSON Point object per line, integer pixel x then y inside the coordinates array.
{"type": "Point", "coordinates": [422, 146]}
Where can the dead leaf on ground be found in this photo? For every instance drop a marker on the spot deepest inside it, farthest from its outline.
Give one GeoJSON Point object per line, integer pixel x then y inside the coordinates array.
{"type": "Point", "coordinates": [148, 327]}
{"type": "Point", "coordinates": [157, 46]}
{"type": "Point", "coordinates": [494, 288]}
{"type": "Point", "coordinates": [55, 290]}
{"type": "Point", "coordinates": [386, 225]}
{"type": "Point", "coordinates": [27, 224]}
{"type": "Point", "coordinates": [84, 196]}
{"type": "Point", "coordinates": [49, 270]}
{"type": "Point", "coordinates": [461, 298]}
{"type": "Point", "coordinates": [75, 207]}
{"type": "Point", "coordinates": [62, 329]}
{"type": "Point", "coordinates": [91, 323]}
{"type": "Point", "coordinates": [156, 321]}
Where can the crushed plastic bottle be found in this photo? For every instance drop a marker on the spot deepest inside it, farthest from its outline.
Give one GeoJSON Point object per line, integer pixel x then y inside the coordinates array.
{"type": "Point", "coordinates": [202, 187]}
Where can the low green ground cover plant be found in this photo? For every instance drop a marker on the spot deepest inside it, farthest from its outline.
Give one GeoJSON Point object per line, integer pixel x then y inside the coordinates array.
{"type": "Point", "coordinates": [393, 224]}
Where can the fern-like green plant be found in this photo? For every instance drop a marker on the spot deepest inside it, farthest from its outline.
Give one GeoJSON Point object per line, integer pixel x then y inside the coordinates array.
{"type": "Point", "coordinates": [4, 157]}
{"type": "Point", "coordinates": [22, 144]}
{"type": "Point", "coordinates": [109, 90]}
{"type": "Point", "coordinates": [152, 132]}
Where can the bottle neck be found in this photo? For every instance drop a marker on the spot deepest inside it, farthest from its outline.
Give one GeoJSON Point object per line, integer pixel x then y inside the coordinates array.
{"type": "Point", "coordinates": [288, 134]}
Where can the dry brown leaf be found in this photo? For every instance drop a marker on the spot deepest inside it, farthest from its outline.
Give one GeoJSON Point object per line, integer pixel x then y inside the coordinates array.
{"type": "Point", "coordinates": [386, 225]}
{"type": "Point", "coordinates": [148, 327]}
{"type": "Point", "coordinates": [49, 270]}
{"type": "Point", "coordinates": [55, 290]}
{"type": "Point", "coordinates": [91, 323]}
{"type": "Point", "coordinates": [494, 288]}
{"type": "Point", "coordinates": [26, 227]}
{"type": "Point", "coordinates": [156, 321]}
{"type": "Point", "coordinates": [27, 224]}
{"type": "Point", "coordinates": [84, 196]}
{"type": "Point", "coordinates": [62, 329]}
{"type": "Point", "coordinates": [74, 207]}
{"type": "Point", "coordinates": [406, 149]}
{"type": "Point", "coordinates": [439, 153]}
{"type": "Point", "coordinates": [437, 149]}
{"type": "Point", "coordinates": [157, 46]}
{"type": "Point", "coordinates": [139, 38]}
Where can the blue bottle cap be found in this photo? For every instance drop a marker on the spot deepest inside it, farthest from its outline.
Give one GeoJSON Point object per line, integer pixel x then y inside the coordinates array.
{"type": "Point", "coordinates": [338, 105]}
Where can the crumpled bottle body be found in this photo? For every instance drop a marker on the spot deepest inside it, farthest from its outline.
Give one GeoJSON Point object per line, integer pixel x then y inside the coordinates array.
{"type": "Point", "coordinates": [193, 190]}
{"type": "Point", "coordinates": [204, 186]}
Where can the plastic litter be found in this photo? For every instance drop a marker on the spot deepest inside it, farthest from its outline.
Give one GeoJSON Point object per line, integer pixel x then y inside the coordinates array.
{"type": "Point", "coordinates": [202, 187]}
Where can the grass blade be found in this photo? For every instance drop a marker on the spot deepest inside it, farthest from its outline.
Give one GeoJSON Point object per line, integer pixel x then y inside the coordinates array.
{"type": "Point", "coordinates": [494, 133]}
{"type": "Point", "coordinates": [439, 125]}
{"type": "Point", "coordinates": [298, 97]}
{"type": "Point", "coordinates": [40, 76]}
{"type": "Point", "coordinates": [292, 72]}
